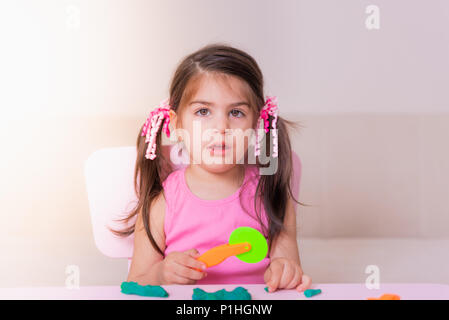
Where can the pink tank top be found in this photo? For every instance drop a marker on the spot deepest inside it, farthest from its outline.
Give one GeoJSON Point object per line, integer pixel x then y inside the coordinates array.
{"type": "Point", "coordinates": [192, 222]}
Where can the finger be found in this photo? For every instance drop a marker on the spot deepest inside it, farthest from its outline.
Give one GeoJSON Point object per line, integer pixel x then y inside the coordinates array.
{"type": "Point", "coordinates": [296, 280]}
{"type": "Point", "coordinates": [288, 274]}
{"type": "Point", "coordinates": [267, 275]}
{"type": "Point", "coordinates": [189, 273]}
{"type": "Point", "coordinates": [306, 281]}
{"type": "Point", "coordinates": [189, 261]}
{"type": "Point", "coordinates": [193, 253]}
{"type": "Point", "coordinates": [174, 278]}
{"type": "Point", "coordinates": [275, 278]}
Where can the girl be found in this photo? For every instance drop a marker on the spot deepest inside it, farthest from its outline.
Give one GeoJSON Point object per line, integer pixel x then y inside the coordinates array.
{"type": "Point", "coordinates": [184, 212]}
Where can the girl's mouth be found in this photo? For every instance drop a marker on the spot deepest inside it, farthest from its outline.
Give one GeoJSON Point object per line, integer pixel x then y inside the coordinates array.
{"type": "Point", "coordinates": [218, 149]}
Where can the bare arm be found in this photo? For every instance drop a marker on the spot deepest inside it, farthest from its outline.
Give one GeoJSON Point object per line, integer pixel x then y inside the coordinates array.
{"type": "Point", "coordinates": [286, 245]}
{"type": "Point", "coordinates": [285, 266]}
{"type": "Point", "coordinates": [146, 261]}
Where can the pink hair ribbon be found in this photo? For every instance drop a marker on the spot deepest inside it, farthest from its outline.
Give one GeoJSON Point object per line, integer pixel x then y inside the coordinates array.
{"type": "Point", "coordinates": [153, 123]}
{"type": "Point", "coordinates": [269, 109]}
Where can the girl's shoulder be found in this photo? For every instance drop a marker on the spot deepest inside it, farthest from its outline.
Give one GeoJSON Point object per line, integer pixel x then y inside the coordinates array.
{"type": "Point", "coordinates": [172, 188]}
{"type": "Point", "coordinates": [252, 173]}
{"type": "Point", "coordinates": [252, 170]}
{"type": "Point", "coordinates": [173, 180]}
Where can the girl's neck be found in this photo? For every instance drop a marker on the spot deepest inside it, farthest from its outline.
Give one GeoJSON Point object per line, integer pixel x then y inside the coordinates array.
{"type": "Point", "coordinates": [201, 175]}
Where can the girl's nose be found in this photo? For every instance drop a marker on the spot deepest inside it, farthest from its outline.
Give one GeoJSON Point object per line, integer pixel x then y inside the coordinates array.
{"type": "Point", "coordinates": [221, 124]}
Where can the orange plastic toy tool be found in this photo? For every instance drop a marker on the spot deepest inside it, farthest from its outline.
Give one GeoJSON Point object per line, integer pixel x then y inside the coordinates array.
{"type": "Point", "coordinates": [387, 296]}
{"type": "Point", "coordinates": [219, 253]}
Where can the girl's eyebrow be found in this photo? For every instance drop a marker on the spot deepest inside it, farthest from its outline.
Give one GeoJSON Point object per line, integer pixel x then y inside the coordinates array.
{"type": "Point", "coordinates": [235, 104]}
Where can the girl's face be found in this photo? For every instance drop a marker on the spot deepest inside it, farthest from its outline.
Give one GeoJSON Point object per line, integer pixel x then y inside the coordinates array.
{"type": "Point", "coordinates": [216, 123]}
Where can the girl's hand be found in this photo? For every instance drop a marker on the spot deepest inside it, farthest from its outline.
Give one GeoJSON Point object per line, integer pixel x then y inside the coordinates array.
{"type": "Point", "coordinates": [177, 268]}
{"type": "Point", "coordinates": [284, 273]}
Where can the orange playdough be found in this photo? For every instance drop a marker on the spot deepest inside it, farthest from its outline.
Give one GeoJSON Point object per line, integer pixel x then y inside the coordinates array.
{"type": "Point", "coordinates": [387, 296]}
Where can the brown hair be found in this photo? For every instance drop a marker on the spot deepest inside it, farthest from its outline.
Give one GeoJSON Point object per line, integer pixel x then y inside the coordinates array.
{"type": "Point", "coordinates": [274, 189]}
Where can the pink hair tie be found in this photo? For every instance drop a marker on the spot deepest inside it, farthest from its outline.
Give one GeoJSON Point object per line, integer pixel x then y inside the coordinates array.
{"type": "Point", "coordinates": [153, 123]}
{"type": "Point", "coordinates": [270, 109]}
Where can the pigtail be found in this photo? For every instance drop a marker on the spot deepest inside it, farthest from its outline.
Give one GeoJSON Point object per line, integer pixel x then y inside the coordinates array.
{"type": "Point", "coordinates": [275, 189]}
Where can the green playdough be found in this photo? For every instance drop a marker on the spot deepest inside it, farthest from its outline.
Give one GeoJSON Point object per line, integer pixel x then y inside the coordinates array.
{"type": "Point", "coordinates": [238, 293]}
{"type": "Point", "coordinates": [259, 246]}
{"type": "Point", "coordinates": [147, 291]}
{"type": "Point", "coordinates": [311, 292]}
{"type": "Point", "coordinates": [266, 289]}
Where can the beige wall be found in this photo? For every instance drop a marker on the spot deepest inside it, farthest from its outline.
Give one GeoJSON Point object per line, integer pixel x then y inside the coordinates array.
{"type": "Point", "coordinates": [374, 106]}
{"type": "Point", "coordinates": [375, 175]}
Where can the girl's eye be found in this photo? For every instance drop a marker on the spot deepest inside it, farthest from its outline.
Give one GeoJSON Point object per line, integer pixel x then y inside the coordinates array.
{"type": "Point", "coordinates": [238, 112]}
{"type": "Point", "coordinates": [201, 111]}
{"type": "Point", "coordinates": [235, 113]}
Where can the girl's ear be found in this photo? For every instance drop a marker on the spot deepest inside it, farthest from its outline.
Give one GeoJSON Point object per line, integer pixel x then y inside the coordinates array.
{"type": "Point", "coordinates": [174, 122]}
{"type": "Point", "coordinates": [173, 119]}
